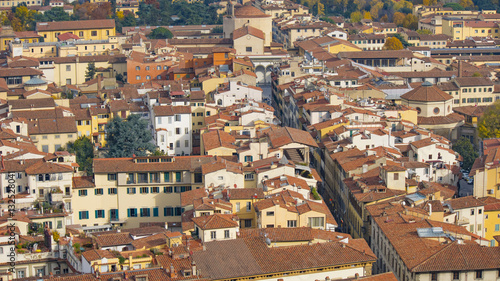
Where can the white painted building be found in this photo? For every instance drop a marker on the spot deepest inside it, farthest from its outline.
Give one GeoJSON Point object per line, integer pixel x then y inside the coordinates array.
{"type": "Point", "coordinates": [171, 128]}
{"type": "Point", "coordinates": [237, 91]}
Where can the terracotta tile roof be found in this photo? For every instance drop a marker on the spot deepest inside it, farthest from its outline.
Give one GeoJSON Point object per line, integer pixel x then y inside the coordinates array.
{"type": "Point", "coordinates": [52, 126]}
{"type": "Point", "coordinates": [471, 110]}
{"type": "Point", "coordinates": [245, 193]}
{"type": "Point", "coordinates": [43, 167]}
{"type": "Point", "coordinates": [218, 138]}
{"type": "Point", "coordinates": [426, 93]}
{"type": "Point", "coordinates": [32, 103]}
{"type": "Point", "coordinates": [280, 136]}
{"type": "Point", "coordinates": [149, 242]}
{"type": "Point", "coordinates": [473, 81]}
{"type": "Point", "coordinates": [249, 11]}
{"type": "Point", "coordinates": [92, 255]}
{"type": "Point", "coordinates": [113, 239]}
{"type": "Point", "coordinates": [169, 110]}
{"type": "Point", "coordinates": [179, 163]}
{"type": "Point", "coordinates": [75, 25]}
{"type": "Point", "coordinates": [286, 234]}
{"type": "Point", "coordinates": [448, 119]}
{"type": "Point", "coordinates": [25, 71]}
{"type": "Point", "coordinates": [464, 202]}
{"type": "Point", "coordinates": [221, 164]}
{"type": "Point", "coordinates": [215, 221]}
{"type": "Point", "coordinates": [188, 197]}
{"type": "Point", "coordinates": [242, 31]}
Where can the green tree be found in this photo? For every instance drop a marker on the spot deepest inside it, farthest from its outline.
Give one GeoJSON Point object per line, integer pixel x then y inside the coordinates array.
{"type": "Point", "coordinates": [454, 6]}
{"type": "Point", "coordinates": [218, 29]}
{"type": "Point", "coordinates": [84, 150]}
{"type": "Point", "coordinates": [466, 150]}
{"type": "Point", "coordinates": [489, 124]}
{"type": "Point", "coordinates": [393, 43]}
{"type": "Point", "coordinates": [56, 14]}
{"type": "Point", "coordinates": [356, 16]}
{"type": "Point", "coordinates": [424, 31]}
{"type": "Point", "coordinates": [127, 138]}
{"type": "Point", "coordinates": [90, 72]}
{"type": "Point", "coordinates": [160, 33]}
{"type": "Point", "coordinates": [402, 40]}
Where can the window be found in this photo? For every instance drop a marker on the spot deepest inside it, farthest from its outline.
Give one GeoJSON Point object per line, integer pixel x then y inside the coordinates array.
{"type": "Point", "coordinates": [99, 214]}
{"type": "Point", "coordinates": [168, 211]}
{"type": "Point", "coordinates": [98, 191]}
{"type": "Point", "coordinates": [83, 215]}
{"type": "Point", "coordinates": [112, 190]}
{"type": "Point", "coordinates": [270, 214]}
{"type": "Point", "coordinates": [155, 211]}
{"type": "Point", "coordinates": [497, 227]}
{"type": "Point", "coordinates": [130, 190]}
{"type": "Point", "coordinates": [177, 117]}
{"type": "Point", "coordinates": [167, 189]}
{"type": "Point", "coordinates": [479, 274]}
{"type": "Point", "coordinates": [186, 143]}
{"type": "Point", "coordinates": [138, 77]}
{"type": "Point", "coordinates": [155, 189]}
{"type": "Point", "coordinates": [148, 77]}
{"type": "Point", "coordinates": [456, 275]}
{"type": "Point", "coordinates": [132, 212]}
{"type": "Point", "coordinates": [396, 176]}
{"type": "Point", "coordinates": [248, 49]}
{"type": "Point", "coordinates": [292, 223]}
{"type": "Point", "coordinates": [226, 234]}
{"type": "Point", "coordinates": [177, 131]}
{"type": "Point", "coordinates": [145, 212]}
{"type": "Point", "coordinates": [111, 177]}
{"type": "Point", "coordinates": [21, 274]}
{"type": "Point", "coordinates": [178, 176]}
{"type": "Point", "coordinates": [147, 67]}
{"type": "Point", "coordinates": [472, 212]}
{"type": "Point", "coordinates": [68, 67]}
{"type": "Point", "coordinates": [248, 223]}
{"type": "Point", "coordinates": [213, 235]}
{"type": "Point", "coordinates": [93, 33]}
{"type": "Point", "coordinates": [178, 211]}
{"type": "Point", "coordinates": [249, 206]}
{"type": "Point", "coordinates": [248, 177]}
{"type": "Point", "coordinates": [166, 177]}
{"type": "Point", "coordinates": [436, 110]}
{"type": "Point", "coordinates": [59, 224]}
{"type": "Point", "coordinates": [82, 192]}
{"type": "Point", "coordinates": [248, 158]}
{"type": "Point", "coordinates": [80, 34]}
{"type": "Point", "coordinates": [434, 276]}
{"type": "Point", "coordinates": [316, 222]}
{"type": "Point", "coordinates": [480, 211]}
{"type": "Point", "coordinates": [238, 207]}
{"type": "Point", "coordinates": [144, 190]}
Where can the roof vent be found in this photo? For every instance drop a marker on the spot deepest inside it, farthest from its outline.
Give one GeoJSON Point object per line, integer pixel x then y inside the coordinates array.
{"type": "Point", "coordinates": [427, 84]}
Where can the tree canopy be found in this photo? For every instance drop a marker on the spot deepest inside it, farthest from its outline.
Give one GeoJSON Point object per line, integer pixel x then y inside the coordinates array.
{"type": "Point", "coordinates": [91, 71]}
{"type": "Point", "coordinates": [125, 139]}
{"type": "Point", "coordinates": [489, 124]}
{"type": "Point", "coordinates": [466, 150]}
{"type": "Point", "coordinates": [393, 43]}
{"type": "Point", "coordinates": [160, 33]}
{"type": "Point", "coordinates": [84, 151]}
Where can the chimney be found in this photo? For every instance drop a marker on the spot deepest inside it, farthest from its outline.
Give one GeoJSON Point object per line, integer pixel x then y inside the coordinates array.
{"type": "Point", "coordinates": [430, 209]}
{"type": "Point", "coordinates": [459, 68]}
{"type": "Point", "coordinates": [171, 273]}
{"type": "Point", "coordinates": [166, 225]}
{"type": "Point", "coordinates": [193, 268]}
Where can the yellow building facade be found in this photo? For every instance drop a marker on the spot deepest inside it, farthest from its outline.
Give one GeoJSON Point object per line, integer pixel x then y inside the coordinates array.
{"type": "Point", "coordinates": [88, 29]}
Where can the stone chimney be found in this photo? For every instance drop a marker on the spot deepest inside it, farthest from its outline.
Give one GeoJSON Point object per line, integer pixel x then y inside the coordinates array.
{"type": "Point", "coordinates": [171, 273]}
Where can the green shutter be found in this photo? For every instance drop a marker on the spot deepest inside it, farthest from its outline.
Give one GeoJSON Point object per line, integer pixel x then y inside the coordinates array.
{"type": "Point", "coordinates": [128, 213]}
{"type": "Point", "coordinates": [155, 212]}
{"type": "Point", "coordinates": [80, 215]}
{"type": "Point", "coordinates": [96, 214]}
